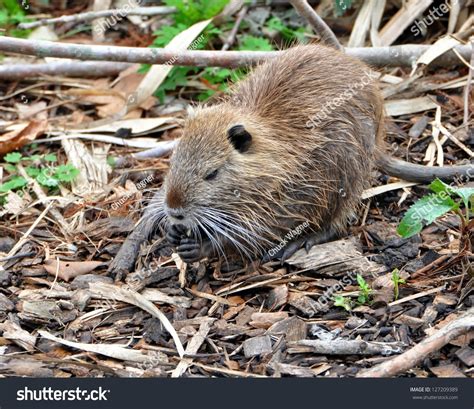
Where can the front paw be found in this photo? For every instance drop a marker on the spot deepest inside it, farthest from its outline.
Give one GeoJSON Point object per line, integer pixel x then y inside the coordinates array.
{"type": "Point", "coordinates": [189, 250]}
{"type": "Point", "coordinates": [175, 233]}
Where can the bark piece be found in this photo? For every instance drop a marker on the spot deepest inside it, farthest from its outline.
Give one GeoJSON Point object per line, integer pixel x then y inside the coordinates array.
{"type": "Point", "coordinates": [19, 336]}
{"type": "Point", "coordinates": [266, 319]}
{"type": "Point", "coordinates": [257, 346]}
{"type": "Point", "coordinates": [447, 371]}
{"type": "Point", "coordinates": [5, 304]}
{"type": "Point", "coordinates": [83, 282]}
{"type": "Point", "coordinates": [277, 297]}
{"type": "Point", "coordinates": [305, 304]}
{"type": "Point", "coordinates": [466, 356]}
{"type": "Point", "coordinates": [293, 328]}
{"type": "Point", "coordinates": [334, 257]}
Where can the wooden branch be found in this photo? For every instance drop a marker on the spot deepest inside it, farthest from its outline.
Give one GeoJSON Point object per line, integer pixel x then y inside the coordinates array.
{"type": "Point", "coordinates": [318, 24]}
{"type": "Point", "coordinates": [92, 15]}
{"type": "Point", "coordinates": [404, 55]}
{"type": "Point", "coordinates": [419, 352]}
{"type": "Point", "coordinates": [344, 347]}
{"type": "Point", "coordinates": [62, 69]}
{"type": "Point", "coordinates": [231, 37]}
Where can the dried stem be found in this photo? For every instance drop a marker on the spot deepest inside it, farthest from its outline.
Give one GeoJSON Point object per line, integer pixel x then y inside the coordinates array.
{"type": "Point", "coordinates": [404, 55]}
{"type": "Point", "coordinates": [318, 24]}
{"type": "Point", "coordinates": [92, 15]}
{"type": "Point", "coordinates": [79, 69]}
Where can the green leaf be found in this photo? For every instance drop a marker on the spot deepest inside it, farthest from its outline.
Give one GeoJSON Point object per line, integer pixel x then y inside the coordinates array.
{"type": "Point", "coordinates": [12, 7]}
{"type": "Point", "coordinates": [251, 43]}
{"type": "Point", "coordinates": [10, 168]}
{"type": "Point", "coordinates": [361, 299]}
{"type": "Point", "coordinates": [177, 77]}
{"type": "Point", "coordinates": [50, 157]}
{"type": "Point", "coordinates": [111, 161]}
{"type": "Point", "coordinates": [166, 33]}
{"type": "Point", "coordinates": [13, 157]}
{"type": "Point", "coordinates": [287, 33]}
{"type": "Point", "coordinates": [425, 211]}
{"type": "Point", "coordinates": [466, 194]}
{"type": "Point", "coordinates": [14, 183]}
{"type": "Point", "coordinates": [32, 172]}
{"type": "Point", "coordinates": [66, 173]}
{"type": "Point", "coordinates": [340, 301]}
{"type": "Point", "coordinates": [46, 177]}
{"type": "Point", "coordinates": [192, 11]}
{"type": "Point", "coordinates": [362, 283]}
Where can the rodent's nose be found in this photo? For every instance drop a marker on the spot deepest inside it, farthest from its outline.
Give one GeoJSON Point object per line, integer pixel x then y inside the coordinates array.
{"type": "Point", "coordinates": [176, 213]}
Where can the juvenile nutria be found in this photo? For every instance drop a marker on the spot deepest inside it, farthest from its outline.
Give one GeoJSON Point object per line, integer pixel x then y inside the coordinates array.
{"type": "Point", "coordinates": [286, 154]}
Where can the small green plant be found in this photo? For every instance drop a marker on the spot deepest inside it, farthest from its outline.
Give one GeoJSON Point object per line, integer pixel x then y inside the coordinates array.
{"type": "Point", "coordinates": [397, 280]}
{"type": "Point", "coordinates": [340, 301]}
{"type": "Point", "coordinates": [190, 12]}
{"type": "Point", "coordinates": [251, 43]}
{"type": "Point", "coordinates": [12, 14]}
{"type": "Point", "coordinates": [365, 290]}
{"type": "Point", "coordinates": [286, 32]}
{"type": "Point", "coordinates": [444, 199]}
{"type": "Point", "coordinates": [42, 168]}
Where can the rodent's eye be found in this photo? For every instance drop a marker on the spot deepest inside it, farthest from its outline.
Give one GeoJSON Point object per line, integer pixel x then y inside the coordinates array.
{"type": "Point", "coordinates": [211, 175]}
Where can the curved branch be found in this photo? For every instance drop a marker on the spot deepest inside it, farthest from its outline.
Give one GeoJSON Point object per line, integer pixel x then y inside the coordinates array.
{"type": "Point", "coordinates": [318, 24]}
{"type": "Point", "coordinates": [414, 356]}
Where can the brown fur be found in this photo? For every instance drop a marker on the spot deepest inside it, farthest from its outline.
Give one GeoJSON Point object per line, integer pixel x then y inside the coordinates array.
{"type": "Point", "coordinates": [291, 173]}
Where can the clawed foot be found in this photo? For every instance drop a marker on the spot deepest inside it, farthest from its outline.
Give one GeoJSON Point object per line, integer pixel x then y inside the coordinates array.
{"type": "Point", "coordinates": [189, 249]}
{"type": "Point", "coordinates": [307, 242]}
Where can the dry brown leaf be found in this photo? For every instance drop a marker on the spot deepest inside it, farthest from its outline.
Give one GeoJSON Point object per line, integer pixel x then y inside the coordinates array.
{"type": "Point", "coordinates": [70, 269]}
{"type": "Point", "coordinates": [16, 139]}
{"type": "Point", "coordinates": [35, 110]}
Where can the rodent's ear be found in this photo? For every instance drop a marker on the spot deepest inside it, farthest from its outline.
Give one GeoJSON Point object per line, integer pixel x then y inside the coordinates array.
{"type": "Point", "coordinates": [240, 138]}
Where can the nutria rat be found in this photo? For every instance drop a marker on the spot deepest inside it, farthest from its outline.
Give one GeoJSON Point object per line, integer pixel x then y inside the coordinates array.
{"type": "Point", "coordinates": [293, 144]}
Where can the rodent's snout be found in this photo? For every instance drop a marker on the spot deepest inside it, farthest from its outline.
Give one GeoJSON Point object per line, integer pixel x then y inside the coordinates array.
{"type": "Point", "coordinates": [176, 215]}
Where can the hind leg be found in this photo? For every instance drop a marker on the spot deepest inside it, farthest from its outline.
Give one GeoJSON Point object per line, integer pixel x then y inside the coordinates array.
{"type": "Point", "coordinates": [307, 242]}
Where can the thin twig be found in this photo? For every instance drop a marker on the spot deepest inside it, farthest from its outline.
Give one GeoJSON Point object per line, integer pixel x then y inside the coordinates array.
{"type": "Point", "coordinates": [20, 242]}
{"type": "Point", "coordinates": [231, 38]}
{"type": "Point", "coordinates": [318, 24]}
{"type": "Point", "coordinates": [79, 69]}
{"type": "Point", "coordinates": [92, 15]}
{"type": "Point", "coordinates": [377, 56]}
{"type": "Point", "coordinates": [164, 149]}
{"type": "Point", "coordinates": [467, 90]}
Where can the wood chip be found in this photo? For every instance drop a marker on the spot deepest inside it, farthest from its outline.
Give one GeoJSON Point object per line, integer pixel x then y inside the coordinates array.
{"type": "Point", "coordinates": [257, 346]}
{"type": "Point", "coordinates": [447, 371]}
